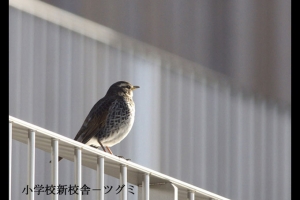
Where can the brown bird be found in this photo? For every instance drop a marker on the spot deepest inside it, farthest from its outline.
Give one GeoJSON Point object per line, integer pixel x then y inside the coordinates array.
{"type": "Point", "coordinates": [111, 118]}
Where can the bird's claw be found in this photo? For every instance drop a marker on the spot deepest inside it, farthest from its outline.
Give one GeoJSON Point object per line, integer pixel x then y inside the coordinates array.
{"type": "Point", "coordinates": [128, 159]}
{"type": "Point", "coordinates": [119, 156]}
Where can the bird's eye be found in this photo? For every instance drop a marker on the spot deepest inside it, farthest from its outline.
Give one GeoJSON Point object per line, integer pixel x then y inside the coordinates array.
{"type": "Point", "coordinates": [128, 87]}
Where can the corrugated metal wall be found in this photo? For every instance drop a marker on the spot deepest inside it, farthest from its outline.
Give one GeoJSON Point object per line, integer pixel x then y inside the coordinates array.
{"type": "Point", "coordinates": [193, 126]}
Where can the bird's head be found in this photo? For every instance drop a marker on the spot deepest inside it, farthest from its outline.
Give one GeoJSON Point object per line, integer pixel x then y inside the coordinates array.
{"type": "Point", "coordinates": [122, 88]}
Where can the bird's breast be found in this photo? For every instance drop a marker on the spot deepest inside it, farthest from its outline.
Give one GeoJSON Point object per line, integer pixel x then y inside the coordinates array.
{"type": "Point", "coordinates": [119, 122]}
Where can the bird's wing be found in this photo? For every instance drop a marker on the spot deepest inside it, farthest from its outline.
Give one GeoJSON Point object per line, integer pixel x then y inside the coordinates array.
{"type": "Point", "coordinates": [95, 120]}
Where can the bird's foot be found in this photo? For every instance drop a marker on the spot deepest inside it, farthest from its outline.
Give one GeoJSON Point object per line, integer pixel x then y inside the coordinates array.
{"type": "Point", "coordinates": [120, 156]}
{"type": "Point", "coordinates": [128, 159]}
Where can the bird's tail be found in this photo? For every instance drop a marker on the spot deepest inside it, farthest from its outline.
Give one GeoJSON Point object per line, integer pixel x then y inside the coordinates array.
{"type": "Point", "coordinates": [59, 158]}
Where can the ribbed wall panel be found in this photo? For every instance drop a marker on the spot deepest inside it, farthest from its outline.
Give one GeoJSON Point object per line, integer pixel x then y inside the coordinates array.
{"type": "Point", "coordinates": [199, 130]}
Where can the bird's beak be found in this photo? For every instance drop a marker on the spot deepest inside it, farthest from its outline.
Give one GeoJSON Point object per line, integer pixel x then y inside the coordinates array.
{"type": "Point", "coordinates": [135, 87]}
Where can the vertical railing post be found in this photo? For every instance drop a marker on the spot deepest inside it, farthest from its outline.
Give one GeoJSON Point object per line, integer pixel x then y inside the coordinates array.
{"type": "Point", "coordinates": [123, 181]}
{"type": "Point", "coordinates": [31, 162]}
{"type": "Point", "coordinates": [175, 194]}
{"type": "Point", "coordinates": [77, 161]}
{"type": "Point", "coordinates": [146, 186]}
{"type": "Point", "coordinates": [191, 195]}
{"type": "Point", "coordinates": [10, 155]}
{"type": "Point", "coordinates": [100, 177]}
{"type": "Point", "coordinates": [54, 166]}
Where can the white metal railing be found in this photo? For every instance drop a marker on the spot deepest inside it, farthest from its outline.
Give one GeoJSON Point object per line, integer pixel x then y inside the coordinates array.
{"type": "Point", "coordinates": [81, 154]}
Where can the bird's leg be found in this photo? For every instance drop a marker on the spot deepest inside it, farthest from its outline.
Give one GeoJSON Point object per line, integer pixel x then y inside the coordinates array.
{"type": "Point", "coordinates": [102, 146]}
{"type": "Point", "coordinates": [109, 150]}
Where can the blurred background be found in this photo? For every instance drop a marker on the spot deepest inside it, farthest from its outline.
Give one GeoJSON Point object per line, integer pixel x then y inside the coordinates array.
{"type": "Point", "coordinates": [249, 41]}
{"type": "Point", "coordinates": [214, 77]}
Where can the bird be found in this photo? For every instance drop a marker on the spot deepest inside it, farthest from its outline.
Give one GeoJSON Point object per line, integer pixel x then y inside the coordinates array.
{"type": "Point", "coordinates": [110, 119]}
